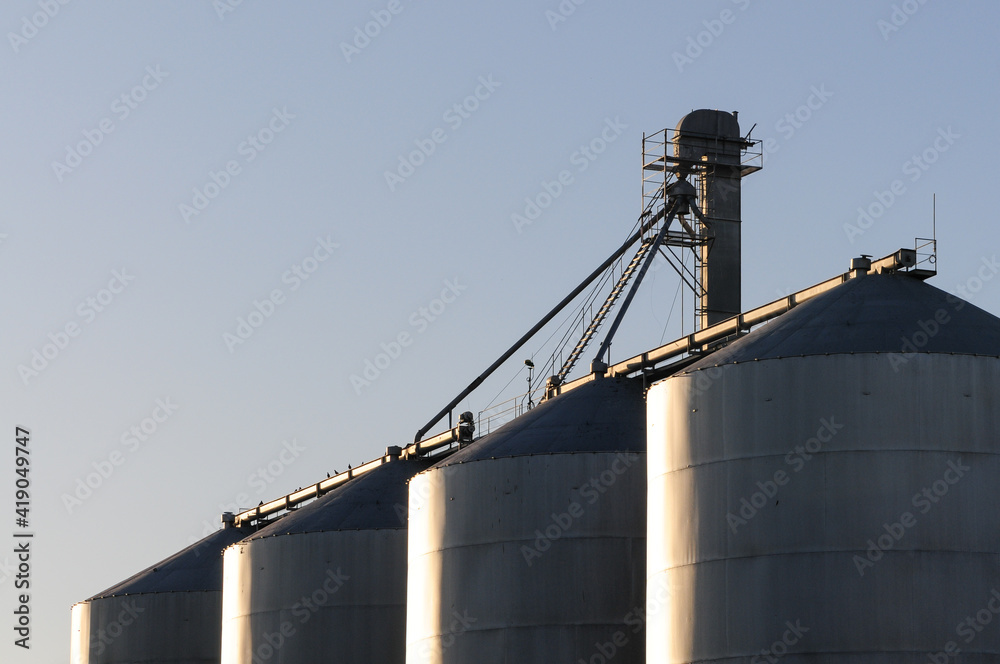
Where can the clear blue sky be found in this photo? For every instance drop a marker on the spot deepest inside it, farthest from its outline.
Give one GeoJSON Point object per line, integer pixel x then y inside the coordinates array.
{"type": "Point", "coordinates": [117, 114]}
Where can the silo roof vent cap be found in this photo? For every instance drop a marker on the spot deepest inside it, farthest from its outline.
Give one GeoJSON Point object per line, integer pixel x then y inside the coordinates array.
{"type": "Point", "coordinates": [860, 266]}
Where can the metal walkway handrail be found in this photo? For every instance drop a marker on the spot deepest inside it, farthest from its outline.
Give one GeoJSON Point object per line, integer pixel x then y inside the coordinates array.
{"type": "Point", "coordinates": [699, 341]}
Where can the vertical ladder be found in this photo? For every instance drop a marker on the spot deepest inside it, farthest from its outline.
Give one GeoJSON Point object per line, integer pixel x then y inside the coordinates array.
{"type": "Point", "coordinates": [602, 313]}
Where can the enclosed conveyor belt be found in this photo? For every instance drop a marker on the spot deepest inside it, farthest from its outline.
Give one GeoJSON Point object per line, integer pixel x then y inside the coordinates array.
{"type": "Point", "coordinates": [702, 340]}
{"type": "Point", "coordinates": [697, 342]}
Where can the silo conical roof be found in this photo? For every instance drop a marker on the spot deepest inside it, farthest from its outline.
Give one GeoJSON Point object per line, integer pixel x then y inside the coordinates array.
{"type": "Point", "coordinates": [605, 415]}
{"type": "Point", "coordinates": [193, 569]}
{"type": "Point", "coordinates": [368, 502]}
{"type": "Point", "coordinates": [876, 313]}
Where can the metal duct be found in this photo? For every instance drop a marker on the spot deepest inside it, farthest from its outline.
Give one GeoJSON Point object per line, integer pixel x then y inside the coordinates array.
{"type": "Point", "coordinates": [709, 144]}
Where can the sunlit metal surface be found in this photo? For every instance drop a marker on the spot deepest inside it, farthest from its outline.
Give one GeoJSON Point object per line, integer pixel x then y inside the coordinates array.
{"type": "Point", "coordinates": [840, 507]}
{"type": "Point", "coordinates": [529, 544]}
{"type": "Point", "coordinates": [328, 581]}
{"type": "Point", "coordinates": [168, 613]}
{"type": "Point", "coordinates": [873, 313]}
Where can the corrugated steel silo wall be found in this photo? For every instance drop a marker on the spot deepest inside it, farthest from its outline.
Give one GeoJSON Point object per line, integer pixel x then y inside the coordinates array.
{"type": "Point", "coordinates": [152, 628]}
{"type": "Point", "coordinates": [326, 596]}
{"type": "Point", "coordinates": [536, 558]}
{"type": "Point", "coordinates": [166, 614]}
{"type": "Point", "coordinates": [826, 508]}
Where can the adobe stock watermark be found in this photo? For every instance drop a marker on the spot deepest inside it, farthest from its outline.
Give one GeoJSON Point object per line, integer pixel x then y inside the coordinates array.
{"type": "Point", "coordinates": [420, 492]}
{"type": "Point", "coordinates": [426, 652]}
{"type": "Point", "coordinates": [122, 107]}
{"type": "Point", "coordinates": [363, 35]}
{"type": "Point", "coordinates": [266, 474]}
{"type": "Point", "coordinates": [562, 12]}
{"type": "Point", "coordinates": [927, 329]}
{"type": "Point", "coordinates": [87, 311]}
{"type": "Point", "coordinates": [796, 459]}
{"type": "Point", "coordinates": [581, 159]}
{"type": "Point", "coordinates": [697, 44]}
{"type": "Point", "coordinates": [985, 273]}
{"type": "Point", "coordinates": [780, 647]}
{"type": "Point", "coordinates": [969, 629]}
{"type": "Point", "coordinates": [420, 320]}
{"type": "Point", "coordinates": [591, 491]}
{"type": "Point", "coordinates": [223, 7]}
{"type": "Point", "coordinates": [914, 168]}
{"type": "Point", "coordinates": [455, 116]}
{"type": "Point", "coordinates": [898, 17]}
{"type": "Point", "coordinates": [924, 501]}
{"type": "Point", "coordinates": [126, 618]}
{"type": "Point", "coordinates": [30, 25]}
{"type": "Point", "coordinates": [218, 181]}
{"type": "Point", "coordinates": [302, 611]}
{"type": "Point", "coordinates": [790, 123]}
{"type": "Point", "coordinates": [8, 568]}
{"type": "Point", "coordinates": [130, 440]}
{"type": "Point", "coordinates": [260, 478]}
{"type": "Point", "coordinates": [293, 277]}
{"type": "Point", "coordinates": [703, 380]}
{"type": "Point", "coordinates": [635, 620]}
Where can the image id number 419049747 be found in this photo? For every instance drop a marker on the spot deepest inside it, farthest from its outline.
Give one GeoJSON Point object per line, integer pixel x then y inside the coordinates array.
{"type": "Point", "coordinates": [22, 537]}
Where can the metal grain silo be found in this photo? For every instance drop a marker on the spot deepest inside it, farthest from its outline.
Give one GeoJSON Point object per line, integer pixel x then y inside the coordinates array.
{"type": "Point", "coordinates": [168, 613]}
{"type": "Point", "coordinates": [529, 544]}
{"type": "Point", "coordinates": [825, 489]}
{"type": "Point", "coordinates": [327, 582]}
